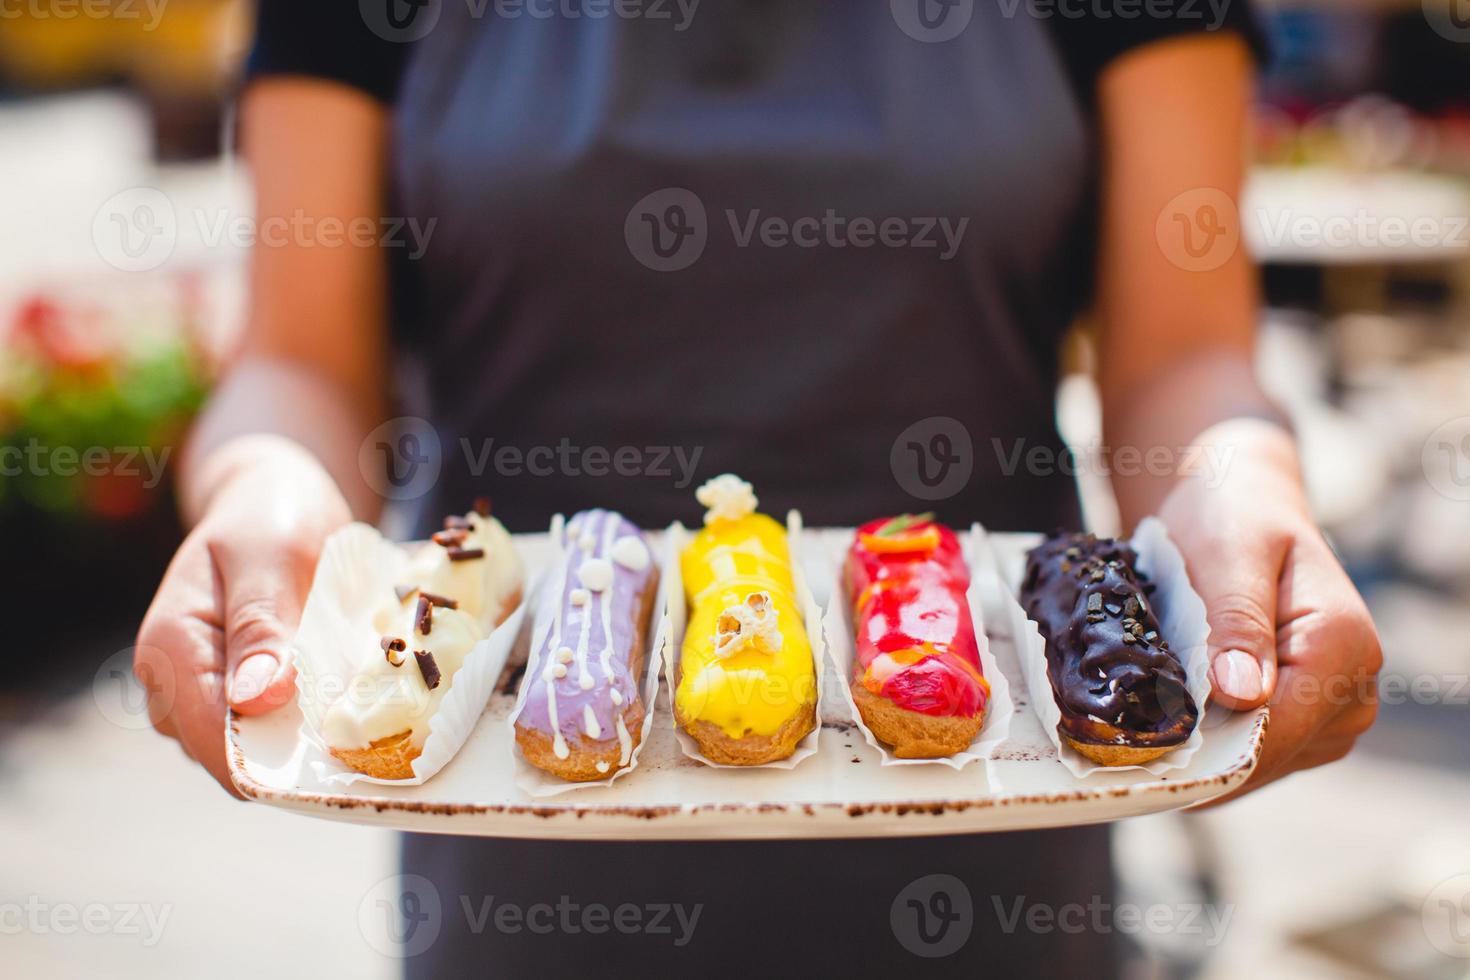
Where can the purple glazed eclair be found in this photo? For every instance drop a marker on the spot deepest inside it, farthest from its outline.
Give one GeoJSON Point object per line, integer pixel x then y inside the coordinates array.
{"type": "Point", "coordinates": [582, 714]}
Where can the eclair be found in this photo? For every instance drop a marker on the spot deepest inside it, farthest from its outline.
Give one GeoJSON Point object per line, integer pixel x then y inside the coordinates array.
{"type": "Point", "coordinates": [457, 588]}
{"type": "Point", "coordinates": [917, 679]}
{"type": "Point", "coordinates": [1123, 694]}
{"type": "Point", "coordinates": [582, 711]}
{"type": "Point", "coordinates": [746, 687]}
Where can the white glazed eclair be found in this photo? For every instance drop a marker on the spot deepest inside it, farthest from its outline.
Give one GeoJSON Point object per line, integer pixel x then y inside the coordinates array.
{"type": "Point", "coordinates": [457, 589]}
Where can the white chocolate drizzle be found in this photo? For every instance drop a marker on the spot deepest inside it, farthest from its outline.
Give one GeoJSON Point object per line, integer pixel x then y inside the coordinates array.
{"type": "Point", "coordinates": [609, 530]}
{"type": "Point", "coordinates": [558, 744]}
{"type": "Point", "coordinates": [625, 743]}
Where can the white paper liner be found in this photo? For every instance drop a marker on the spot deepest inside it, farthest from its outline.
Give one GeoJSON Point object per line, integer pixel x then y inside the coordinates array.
{"type": "Point", "coordinates": [538, 782]}
{"type": "Point", "coordinates": [841, 650]}
{"type": "Point", "coordinates": [358, 567]}
{"type": "Point", "coordinates": [1182, 622]}
{"type": "Point", "coordinates": [678, 616]}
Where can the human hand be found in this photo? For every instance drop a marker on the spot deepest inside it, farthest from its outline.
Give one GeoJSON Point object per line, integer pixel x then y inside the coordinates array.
{"type": "Point", "coordinates": [1286, 624]}
{"type": "Point", "coordinates": [217, 631]}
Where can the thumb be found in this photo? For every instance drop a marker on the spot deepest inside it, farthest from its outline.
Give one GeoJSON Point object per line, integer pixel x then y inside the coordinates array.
{"type": "Point", "coordinates": [1239, 586]}
{"type": "Point", "coordinates": [261, 612]}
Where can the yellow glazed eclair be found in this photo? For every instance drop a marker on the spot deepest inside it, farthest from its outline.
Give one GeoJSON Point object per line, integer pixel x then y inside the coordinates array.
{"type": "Point", "coordinates": [746, 686]}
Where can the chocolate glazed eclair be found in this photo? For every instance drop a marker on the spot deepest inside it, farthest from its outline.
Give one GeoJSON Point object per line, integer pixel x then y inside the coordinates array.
{"type": "Point", "coordinates": [1122, 692]}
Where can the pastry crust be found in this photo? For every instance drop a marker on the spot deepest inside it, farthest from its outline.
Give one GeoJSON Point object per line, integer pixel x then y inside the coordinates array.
{"type": "Point", "coordinates": [386, 758]}
{"type": "Point", "coordinates": [580, 765]}
{"type": "Point", "coordinates": [750, 749]}
{"type": "Point", "coordinates": [1118, 755]}
{"type": "Point", "coordinates": [913, 734]}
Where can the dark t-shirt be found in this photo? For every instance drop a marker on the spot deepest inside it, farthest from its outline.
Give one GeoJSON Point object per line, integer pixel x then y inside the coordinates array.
{"type": "Point", "coordinates": [830, 246]}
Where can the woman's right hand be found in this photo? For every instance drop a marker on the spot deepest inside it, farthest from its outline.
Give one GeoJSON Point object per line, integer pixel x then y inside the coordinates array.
{"type": "Point", "coordinates": [219, 628]}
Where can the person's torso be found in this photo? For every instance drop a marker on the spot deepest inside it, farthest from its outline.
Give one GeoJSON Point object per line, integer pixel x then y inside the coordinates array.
{"type": "Point", "coordinates": [791, 239]}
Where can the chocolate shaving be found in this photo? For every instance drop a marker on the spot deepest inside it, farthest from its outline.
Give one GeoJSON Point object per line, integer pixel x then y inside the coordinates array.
{"type": "Point", "coordinates": [392, 647]}
{"type": "Point", "coordinates": [440, 600]}
{"type": "Point", "coordinates": [404, 591]}
{"type": "Point", "coordinates": [482, 506]}
{"type": "Point", "coordinates": [424, 616]}
{"type": "Point", "coordinates": [449, 539]}
{"type": "Point", "coordinates": [456, 523]}
{"type": "Point", "coordinates": [465, 554]}
{"type": "Point", "coordinates": [427, 667]}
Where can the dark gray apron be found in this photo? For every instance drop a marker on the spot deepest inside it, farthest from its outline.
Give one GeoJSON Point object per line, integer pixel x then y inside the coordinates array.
{"type": "Point", "coordinates": [605, 289]}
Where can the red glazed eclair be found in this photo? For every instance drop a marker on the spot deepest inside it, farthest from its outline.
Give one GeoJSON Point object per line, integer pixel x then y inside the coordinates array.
{"type": "Point", "coordinates": [917, 679]}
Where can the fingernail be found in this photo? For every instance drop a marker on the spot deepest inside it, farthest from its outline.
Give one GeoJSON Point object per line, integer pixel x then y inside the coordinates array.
{"type": "Point", "coordinates": [1237, 674]}
{"type": "Point", "coordinates": [252, 677]}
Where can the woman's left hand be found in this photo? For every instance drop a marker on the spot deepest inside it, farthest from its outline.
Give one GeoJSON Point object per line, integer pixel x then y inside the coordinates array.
{"type": "Point", "coordinates": [1286, 624]}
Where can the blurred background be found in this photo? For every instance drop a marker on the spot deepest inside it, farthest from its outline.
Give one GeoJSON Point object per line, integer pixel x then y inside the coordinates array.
{"type": "Point", "coordinates": [1363, 126]}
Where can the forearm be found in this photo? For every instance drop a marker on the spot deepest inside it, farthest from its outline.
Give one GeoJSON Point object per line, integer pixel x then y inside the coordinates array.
{"type": "Point", "coordinates": [1204, 417]}
{"type": "Point", "coordinates": [308, 382]}
{"type": "Point", "coordinates": [270, 411]}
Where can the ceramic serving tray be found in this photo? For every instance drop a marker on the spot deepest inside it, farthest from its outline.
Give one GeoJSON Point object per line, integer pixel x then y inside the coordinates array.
{"type": "Point", "coordinates": [841, 791]}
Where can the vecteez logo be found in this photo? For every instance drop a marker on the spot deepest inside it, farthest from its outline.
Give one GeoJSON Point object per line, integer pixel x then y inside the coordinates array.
{"type": "Point", "coordinates": [667, 230]}
{"type": "Point", "coordinates": [401, 459]}
{"type": "Point", "coordinates": [128, 680]}
{"type": "Point", "coordinates": [1450, 19]}
{"type": "Point", "coordinates": [135, 230]}
{"type": "Point", "coordinates": [1446, 459]}
{"type": "Point", "coordinates": [933, 458]}
{"type": "Point", "coordinates": [932, 21]}
{"type": "Point", "coordinates": [1445, 915]}
{"type": "Point", "coordinates": [1199, 230]}
{"type": "Point", "coordinates": [401, 916]}
{"type": "Point", "coordinates": [933, 916]}
{"type": "Point", "coordinates": [400, 21]}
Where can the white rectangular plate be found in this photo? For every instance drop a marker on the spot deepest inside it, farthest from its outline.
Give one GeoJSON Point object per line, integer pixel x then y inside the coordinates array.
{"type": "Point", "coordinates": [842, 792]}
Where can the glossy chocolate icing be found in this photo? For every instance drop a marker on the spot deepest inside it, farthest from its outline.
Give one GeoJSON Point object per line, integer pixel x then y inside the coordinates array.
{"type": "Point", "coordinates": [1115, 678]}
